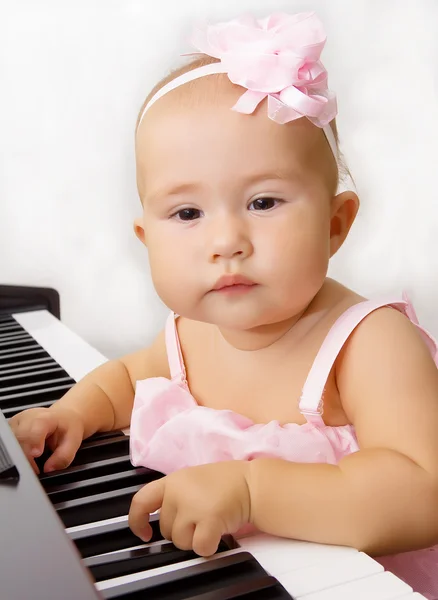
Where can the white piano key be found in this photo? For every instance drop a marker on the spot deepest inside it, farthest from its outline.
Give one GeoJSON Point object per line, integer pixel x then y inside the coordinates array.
{"type": "Point", "coordinates": [75, 355]}
{"type": "Point", "coordinates": [330, 573]}
{"type": "Point", "coordinates": [280, 555]}
{"type": "Point", "coordinates": [159, 543]}
{"type": "Point", "coordinates": [141, 575]}
{"type": "Point", "coordinates": [383, 586]}
{"type": "Point", "coordinates": [95, 527]}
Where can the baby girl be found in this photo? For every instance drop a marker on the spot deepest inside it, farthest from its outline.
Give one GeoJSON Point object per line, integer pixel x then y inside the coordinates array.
{"type": "Point", "coordinates": [275, 397]}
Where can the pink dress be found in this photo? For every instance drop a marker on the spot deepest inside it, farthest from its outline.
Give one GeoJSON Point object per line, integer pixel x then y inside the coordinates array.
{"type": "Point", "coordinates": [170, 431]}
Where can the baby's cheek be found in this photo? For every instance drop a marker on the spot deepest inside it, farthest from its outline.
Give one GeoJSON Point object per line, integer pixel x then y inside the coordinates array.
{"type": "Point", "coordinates": [173, 282]}
{"type": "Point", "coordinates": [164, 273]}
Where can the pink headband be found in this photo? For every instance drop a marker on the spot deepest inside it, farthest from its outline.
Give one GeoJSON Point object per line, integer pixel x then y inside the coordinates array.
{"type": "Point", "coordinates": [276, 57]}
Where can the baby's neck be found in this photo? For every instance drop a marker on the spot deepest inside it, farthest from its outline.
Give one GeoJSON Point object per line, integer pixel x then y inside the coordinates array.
{"type": "Point", "coordinates": [259, 337]}
{"type": "Point", "coordinates": [273, 334]}
{"type": "Point", "coordinates": [291, 330]}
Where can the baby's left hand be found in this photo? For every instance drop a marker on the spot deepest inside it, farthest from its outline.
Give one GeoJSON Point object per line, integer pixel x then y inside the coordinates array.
{"type": "Point", "coordinates": [198, 505]}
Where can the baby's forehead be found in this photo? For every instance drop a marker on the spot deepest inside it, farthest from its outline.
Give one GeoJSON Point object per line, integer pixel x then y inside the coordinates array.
{"type": "Point", "coordinates": [208, 114]}
{"type": "Point", "coordinates": [195, 122]}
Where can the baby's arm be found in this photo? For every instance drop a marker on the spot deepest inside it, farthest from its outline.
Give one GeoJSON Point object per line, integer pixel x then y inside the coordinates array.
{"type": "Point", "coordinates": [104, 398]}
{"type": "Point", "coordinates": [383, 498]}
{"type": "Point", "coordinates": [101, 401]}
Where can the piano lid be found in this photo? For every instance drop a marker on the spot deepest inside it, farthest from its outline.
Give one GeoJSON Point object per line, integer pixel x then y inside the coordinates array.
{"type": "Point", "coordinates": [18, 298]}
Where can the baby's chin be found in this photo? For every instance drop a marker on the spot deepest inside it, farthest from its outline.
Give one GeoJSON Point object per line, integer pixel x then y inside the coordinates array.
{"type": "Point", "coordinates": [233, 314]}
{"type": "Point", "coordinates": [242, 314]}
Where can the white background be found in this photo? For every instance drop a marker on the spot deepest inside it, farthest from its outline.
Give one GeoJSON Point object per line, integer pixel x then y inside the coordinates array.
{"type": "Point", "coordinates": [73, 75]}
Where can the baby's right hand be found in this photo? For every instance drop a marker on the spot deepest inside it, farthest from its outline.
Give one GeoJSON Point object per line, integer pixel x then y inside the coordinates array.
{"type": "Point", "coordinates": [60, 429]}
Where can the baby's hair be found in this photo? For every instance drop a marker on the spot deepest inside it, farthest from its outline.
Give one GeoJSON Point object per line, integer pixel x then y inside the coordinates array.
{"type": "Point", "coordinates": [201, 60]}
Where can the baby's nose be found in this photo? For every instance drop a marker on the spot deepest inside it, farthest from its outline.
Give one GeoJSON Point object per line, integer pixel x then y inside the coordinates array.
{"type": "Point", "coordinates": [230, 238]}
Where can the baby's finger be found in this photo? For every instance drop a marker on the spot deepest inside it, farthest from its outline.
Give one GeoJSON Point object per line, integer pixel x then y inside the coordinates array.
{"type": "Point", "coordinates": [147, 500]}
{"type": "Point", "coordinates": [206, 537]}
{"type": "Point", "coordinates": [31, 437]}
{"type": "Point", "coordinates": [168, 514]}
{"type": "Point", "coordinates": [182, 533]}
{"type": "Point", "coordinates": [66, 450]}
{"type": "Point", "coordinates": [39, 431]}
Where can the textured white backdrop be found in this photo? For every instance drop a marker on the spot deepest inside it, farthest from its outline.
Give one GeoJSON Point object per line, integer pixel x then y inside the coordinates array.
{"type": "Point", "coordinates": [73, 74]}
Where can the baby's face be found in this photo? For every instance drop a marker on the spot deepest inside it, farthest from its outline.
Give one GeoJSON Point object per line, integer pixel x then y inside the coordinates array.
{"type": "Point", "coordinates": [227, 193]}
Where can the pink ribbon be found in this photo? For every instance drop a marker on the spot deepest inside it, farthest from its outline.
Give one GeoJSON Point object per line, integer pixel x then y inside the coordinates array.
{"type": "Point", "coordinates": [277, 57]}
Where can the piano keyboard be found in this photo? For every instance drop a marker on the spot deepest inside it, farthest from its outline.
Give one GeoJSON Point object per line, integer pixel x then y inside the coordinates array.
{"type": "Point", "coordinates": [40, 358]}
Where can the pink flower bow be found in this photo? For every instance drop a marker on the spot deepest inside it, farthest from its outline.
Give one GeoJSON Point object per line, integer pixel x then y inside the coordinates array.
{"type": "Point", "coordinates": [278, 57]}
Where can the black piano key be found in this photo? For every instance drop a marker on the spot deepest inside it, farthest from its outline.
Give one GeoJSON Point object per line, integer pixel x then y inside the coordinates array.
{"type": "Point", "coordinates": [263, 587]}
{"type": "Point", "coordinates": [9, 324]}
{"type": "Point", "coordinates": [10, 412]}
{"type": "Point", "coordinates": [144, 558]}
{"type": "Point", "coordinates": [110, 537]}
{"type": "Point", "coordinates": [98, 485]}
{"type": "Point", "coordinates": [33, 397]}
{"type": "Point", "coordinates": [83, 472]}
{"type": "Point", "coordinates": [8, 321]}
{"type": "Point", "coordinates": [90, 458]}
{"type": "Point", "coordinates": [10, 336]}
{"type": "Point", "coordinates": [9, 332]}
{"type": "Point", "coordinates": [18, 345]}
{"type": "Point", "coordinates": [5, 318]}
{"type": "Point", "coordinates": [8, 327]}
{"type": "Point", "coordinates": [26, 377]}
{"type": "Point", "coordinates": [101, 435]}
{"type": "Point", "coordinates": [96, 508]}
{"type": "Point", "coordinates": [104, 448]}
{"type": "Point", "coordinates": [234, 576]}
{"type": "Point", "coordinates": [13, 357]}
{"type": "Point", "coordinates": [29, 376]}
{"type": "Point", "coordinates": [15, 389]}
{"type": "Point", "coordinates": [24, 388]}
{"type": "Point", "coordinates": [95, 505]}
{"type": "Point", "coordinates": [27, 365]}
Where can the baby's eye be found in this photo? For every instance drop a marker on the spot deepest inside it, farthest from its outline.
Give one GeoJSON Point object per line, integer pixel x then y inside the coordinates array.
{"type": "Point", "coordinates": [187, 214]}
{"type": "Point", "coordinates": [264, 203]}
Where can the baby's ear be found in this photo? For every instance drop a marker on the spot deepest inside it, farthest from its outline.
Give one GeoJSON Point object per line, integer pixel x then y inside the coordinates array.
{"type": "Point", "coordinates": [139, 230]}
{"type": "Point", "coordinates": [343, 212]}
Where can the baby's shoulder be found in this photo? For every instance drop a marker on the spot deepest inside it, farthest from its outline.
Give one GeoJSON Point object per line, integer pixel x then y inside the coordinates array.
{"type": "Point", "coordinates": [373, 335]}
{"type": "Point", "coordinates": [148, 362]}
{"type": "Point", "coordinates": [386, 328]}
{"type": "Point", "coordinates": [386, 343]}
{"type": "Point", "coordinates": [373, 323]}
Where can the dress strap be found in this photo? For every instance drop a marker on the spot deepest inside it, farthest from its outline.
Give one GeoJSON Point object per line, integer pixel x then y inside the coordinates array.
{"type": "Point", "coordinates": [312, 396]}
{"type": "Point", "coordinates": [174, 353]}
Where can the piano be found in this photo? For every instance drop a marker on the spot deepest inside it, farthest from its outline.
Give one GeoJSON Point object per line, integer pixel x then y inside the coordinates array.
{"type": "Point", "coordinates": [64, 535]}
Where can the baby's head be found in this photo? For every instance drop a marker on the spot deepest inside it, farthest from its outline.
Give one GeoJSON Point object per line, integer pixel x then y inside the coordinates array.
{"type": "Point", "coordinates": [226, 193]}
